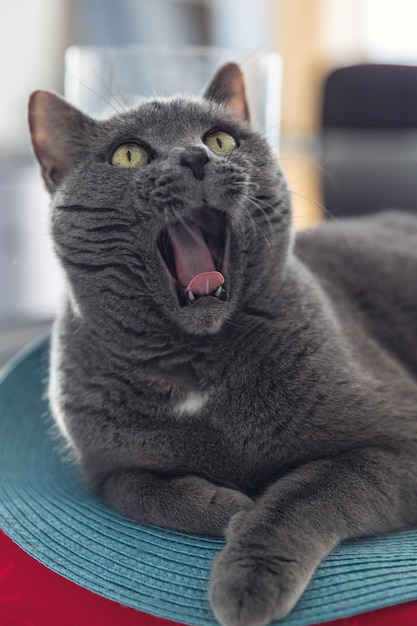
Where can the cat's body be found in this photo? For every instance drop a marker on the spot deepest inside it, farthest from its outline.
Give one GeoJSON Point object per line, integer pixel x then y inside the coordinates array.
{"type": "Point", "coordinates": [282, 411]}
{"type": "Point", "coordinates": [186, 402]}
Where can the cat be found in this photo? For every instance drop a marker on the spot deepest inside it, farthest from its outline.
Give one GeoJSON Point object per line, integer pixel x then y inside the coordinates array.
{"type": "Point", "coordinates": [212, 372]}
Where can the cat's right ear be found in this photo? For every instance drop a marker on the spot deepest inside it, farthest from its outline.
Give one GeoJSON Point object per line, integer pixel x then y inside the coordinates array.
{"type": "Point", "coordinates": [228, 88]}
{"type": "Point", "coordinates": [57, 132]}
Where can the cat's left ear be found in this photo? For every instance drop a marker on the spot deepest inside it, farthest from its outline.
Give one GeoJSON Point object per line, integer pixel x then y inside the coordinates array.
{"type": "Point", "coordinates": [58, 132]}
{"type": "Point", "coordinates": [228, 88]}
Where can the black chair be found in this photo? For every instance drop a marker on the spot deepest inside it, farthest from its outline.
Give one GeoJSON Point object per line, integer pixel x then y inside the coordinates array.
{"type": "Point", "coordinates": [369, 139]}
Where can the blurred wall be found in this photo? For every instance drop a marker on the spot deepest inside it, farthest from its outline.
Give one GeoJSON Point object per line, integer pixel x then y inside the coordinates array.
{"type": "Point", "coordinates": [314, 37]}
{"type": "Point", "coordinates": [33, 38]}
{"type": "Point", "coordinates": [124, 22]}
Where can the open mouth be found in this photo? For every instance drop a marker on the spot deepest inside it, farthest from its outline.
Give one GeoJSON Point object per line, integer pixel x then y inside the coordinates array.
{"type": "Point", "coordinates": [193, 251]}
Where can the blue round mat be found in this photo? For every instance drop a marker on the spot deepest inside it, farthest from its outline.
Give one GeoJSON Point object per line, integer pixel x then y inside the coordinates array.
{"type": "Point", "coordinates": [48, 512]}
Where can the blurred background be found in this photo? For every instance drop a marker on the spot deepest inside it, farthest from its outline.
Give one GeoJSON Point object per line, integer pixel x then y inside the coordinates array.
{"type": "Point", "coordinates": [318, 139]}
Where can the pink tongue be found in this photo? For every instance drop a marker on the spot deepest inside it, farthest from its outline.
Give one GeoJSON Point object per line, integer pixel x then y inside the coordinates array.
{"type": "Point", "coordinates": [205, 283]}
{"type": "Point", "coordinates": [194, 264]}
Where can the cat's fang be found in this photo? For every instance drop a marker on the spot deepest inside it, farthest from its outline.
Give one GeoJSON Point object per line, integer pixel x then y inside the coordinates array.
{"type": "Point", "coordinates": [191, 297]}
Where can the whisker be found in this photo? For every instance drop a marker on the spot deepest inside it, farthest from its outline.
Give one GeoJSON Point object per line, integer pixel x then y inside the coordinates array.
{"type": "Point", "coordinates": [316, 203]}
{"type": "Point", "coordinates": [102, 83]}
{"type": "Point", "coordinates": [261, 45]}
{"type": "Point", "coordinates": [110, 104]}
{"type": "Point", "coordinates": [256, 226]}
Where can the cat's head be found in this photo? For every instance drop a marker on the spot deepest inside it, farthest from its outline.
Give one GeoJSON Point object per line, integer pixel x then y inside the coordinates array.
{"type": "Point", "coordinates": [175, 210]}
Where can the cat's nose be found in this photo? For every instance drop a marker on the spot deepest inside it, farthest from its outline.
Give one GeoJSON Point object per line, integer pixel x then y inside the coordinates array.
{"type": "Point", "coordinates": [195, 160]}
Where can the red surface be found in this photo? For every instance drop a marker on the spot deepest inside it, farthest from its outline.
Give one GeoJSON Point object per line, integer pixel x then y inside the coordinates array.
{"type": "Point", "coordinates": [33, 595]}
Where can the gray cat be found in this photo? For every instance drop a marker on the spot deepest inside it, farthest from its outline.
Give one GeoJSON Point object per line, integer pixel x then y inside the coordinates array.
{"type": "Point", "coordinates": [213, 373]}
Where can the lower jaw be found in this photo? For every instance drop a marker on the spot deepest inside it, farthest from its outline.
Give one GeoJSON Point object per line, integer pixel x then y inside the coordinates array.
{"type": "Point", "coordinates": [205, 316]}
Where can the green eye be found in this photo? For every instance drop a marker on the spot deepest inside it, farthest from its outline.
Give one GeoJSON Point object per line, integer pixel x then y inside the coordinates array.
{"type": "Point", "coordinates": [130, 155]}
{"type": "Point", "coordinates": [220, 141]}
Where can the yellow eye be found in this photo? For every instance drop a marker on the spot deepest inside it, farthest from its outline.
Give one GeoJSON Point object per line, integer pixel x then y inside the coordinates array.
{"type": "Point", "coordinates": [220, 141]}
{"type": "Point", "coordinates": [130, 155]}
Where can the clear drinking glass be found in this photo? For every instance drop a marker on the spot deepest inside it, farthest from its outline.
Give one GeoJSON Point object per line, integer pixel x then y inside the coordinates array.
{"type": "Point", "coordinates": [101, 80]}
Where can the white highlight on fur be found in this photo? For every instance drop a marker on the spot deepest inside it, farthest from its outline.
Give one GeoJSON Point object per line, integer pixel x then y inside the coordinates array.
{"type": "Point", "coordinates": [73, 302]}
{"type": "Point", "coordinates": [55, 391]}
{"type": "Point", "coordinates": [192, 404]}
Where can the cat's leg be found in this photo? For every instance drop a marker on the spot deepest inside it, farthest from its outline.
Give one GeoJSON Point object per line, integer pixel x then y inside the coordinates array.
{"type": "Point", "coordinates": [273, 550]}
{"type": "Point", "coordinates": [188, 503]}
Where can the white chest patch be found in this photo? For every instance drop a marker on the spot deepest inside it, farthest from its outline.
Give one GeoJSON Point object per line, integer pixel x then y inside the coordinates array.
{"type": "Point", "coordinates": [192, 404]}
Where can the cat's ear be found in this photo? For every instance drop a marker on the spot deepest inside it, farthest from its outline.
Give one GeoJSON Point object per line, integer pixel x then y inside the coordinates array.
{"type": "Point", "coordinates": [228, 88]}
{"type": "Point", "coordinates": [57, 132]}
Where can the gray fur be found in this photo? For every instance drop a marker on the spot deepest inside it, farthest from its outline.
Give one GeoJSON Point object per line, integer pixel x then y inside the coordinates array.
{"type": "Point", "coordinates": [284, 417]}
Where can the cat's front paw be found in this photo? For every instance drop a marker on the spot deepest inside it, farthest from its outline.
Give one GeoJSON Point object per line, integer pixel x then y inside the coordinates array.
{"type": "Point", "coordinates": [254, 589]}
{"type": "Point", "coordinates": [221, 506]}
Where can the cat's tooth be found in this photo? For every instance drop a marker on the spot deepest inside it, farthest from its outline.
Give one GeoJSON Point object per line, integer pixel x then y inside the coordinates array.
{"type": "Point", "coordinates": [218, 291]}
{"type": "Point", "coordinates": [190, 295]}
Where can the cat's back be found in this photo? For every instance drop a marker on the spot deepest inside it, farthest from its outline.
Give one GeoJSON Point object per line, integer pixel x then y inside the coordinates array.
{"type": "Point", "coordinates": [351, 233]}
{"type": "Point", "coordinates": [352, 251]}
{"type": "Point", "coordinates": [368, 268]}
